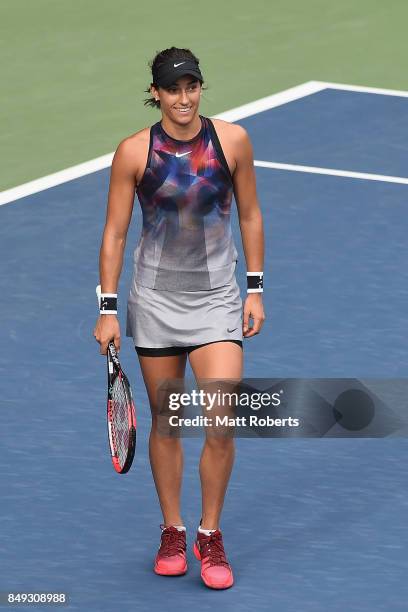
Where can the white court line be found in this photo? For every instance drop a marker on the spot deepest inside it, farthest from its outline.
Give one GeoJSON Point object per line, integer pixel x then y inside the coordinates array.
{"type": "Point", "coordinates": [58, 178]}
{"type": "Point", "coordinates": [246, 110]}
{"type": "Point", "coordinates": [361, 89]}
{"type": "Point", "coordinates": [332, 172]}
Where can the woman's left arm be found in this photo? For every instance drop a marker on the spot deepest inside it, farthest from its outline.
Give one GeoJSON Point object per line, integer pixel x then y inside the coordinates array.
{"type": "Point", "coordinates": [251, 224]}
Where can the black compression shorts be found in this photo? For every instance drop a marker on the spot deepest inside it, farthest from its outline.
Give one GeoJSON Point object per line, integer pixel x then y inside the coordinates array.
{"type": "Point", "coordinates": [175, 350]}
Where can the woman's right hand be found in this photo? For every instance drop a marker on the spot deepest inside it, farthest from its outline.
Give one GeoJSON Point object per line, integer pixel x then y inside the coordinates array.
{"type": "Point", "coordinates": [107, 329]}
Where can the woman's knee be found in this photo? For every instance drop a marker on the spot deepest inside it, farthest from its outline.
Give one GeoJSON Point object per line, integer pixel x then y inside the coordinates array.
{"type": "Point", "coordinates": [220, 443]}
{"type": "Point", "coordinates": [163, 434]}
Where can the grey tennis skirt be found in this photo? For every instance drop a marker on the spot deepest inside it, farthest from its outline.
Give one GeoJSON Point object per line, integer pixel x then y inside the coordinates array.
{"type": "Point", "coordinates": [158, 319]}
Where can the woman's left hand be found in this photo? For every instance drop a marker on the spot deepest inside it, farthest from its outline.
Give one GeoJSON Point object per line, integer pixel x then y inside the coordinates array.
{"type": "Point", "coordinates": [253, 308]}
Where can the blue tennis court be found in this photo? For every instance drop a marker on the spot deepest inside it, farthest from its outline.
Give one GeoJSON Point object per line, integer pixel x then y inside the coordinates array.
{"type": "Point", "coordinates": [309, 524]}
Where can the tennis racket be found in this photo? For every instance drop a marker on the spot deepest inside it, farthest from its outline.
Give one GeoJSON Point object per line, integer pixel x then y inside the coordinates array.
{"type": "Point", "coordinates": [121, 411]}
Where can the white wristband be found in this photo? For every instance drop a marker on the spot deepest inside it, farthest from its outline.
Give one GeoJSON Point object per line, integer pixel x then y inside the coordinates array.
{"type": "Point", "coordinates": [108, 302]}
{"type": "Point", "coordinates": [254, 282]}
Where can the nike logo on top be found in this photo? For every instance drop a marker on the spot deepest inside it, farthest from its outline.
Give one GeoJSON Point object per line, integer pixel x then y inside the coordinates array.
{"type": "Point", "coordinates": [181, 154]}
{"type": "Point", "coordinates": [231, 330]}
{"type": "Point", "coordinates": [175, 65]}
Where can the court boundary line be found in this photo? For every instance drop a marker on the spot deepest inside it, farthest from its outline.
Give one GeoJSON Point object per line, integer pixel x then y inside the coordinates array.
{"type": "Point", "coordinates": [240, 112]}
{"type": "Point", "coordinates": [367, 176]}
{"type": "Point", "coordinates": [362, 89]}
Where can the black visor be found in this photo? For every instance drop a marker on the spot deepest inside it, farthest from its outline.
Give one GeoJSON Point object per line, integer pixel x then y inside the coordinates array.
{"type": "Point", "coordinates": [172, 70]}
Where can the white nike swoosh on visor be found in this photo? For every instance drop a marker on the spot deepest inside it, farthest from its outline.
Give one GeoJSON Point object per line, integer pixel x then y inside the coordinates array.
{"type": "Point", "coordinates": [181, 154]}
{"type": "Point", "coordinates": [175, 65]}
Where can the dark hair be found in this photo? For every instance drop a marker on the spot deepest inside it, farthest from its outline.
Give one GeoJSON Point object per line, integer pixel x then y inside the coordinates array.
{"type": "Point", "coordinates": [173, 53]}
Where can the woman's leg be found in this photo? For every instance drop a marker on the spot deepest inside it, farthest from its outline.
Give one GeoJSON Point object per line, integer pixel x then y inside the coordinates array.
{"type": "Point", "coordinates": [166, 453]}
{"type": "Point", "coordinates": [216, 360]}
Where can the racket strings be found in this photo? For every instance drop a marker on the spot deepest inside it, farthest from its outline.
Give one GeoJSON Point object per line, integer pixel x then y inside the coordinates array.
{"type": "Point", "coordinates": [120, 421]}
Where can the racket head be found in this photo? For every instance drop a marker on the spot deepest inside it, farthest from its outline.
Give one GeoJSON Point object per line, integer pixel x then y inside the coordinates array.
{"type": "Point", "coordinates": [121, 414]}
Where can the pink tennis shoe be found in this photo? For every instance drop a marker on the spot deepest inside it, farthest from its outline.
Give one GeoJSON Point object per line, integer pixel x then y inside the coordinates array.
{"type": "Point", "coordinates": [171, 557]}
{"type": "Point", "coordinates": [216, 572]}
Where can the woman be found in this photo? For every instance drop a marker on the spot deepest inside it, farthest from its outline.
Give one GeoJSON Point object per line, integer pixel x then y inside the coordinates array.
{"type": "Point", "coordinates": [184, 298]}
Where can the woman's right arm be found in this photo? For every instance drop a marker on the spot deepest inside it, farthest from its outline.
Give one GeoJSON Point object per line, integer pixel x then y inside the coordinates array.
{"type": "Point", "coordinates": [119, 213]}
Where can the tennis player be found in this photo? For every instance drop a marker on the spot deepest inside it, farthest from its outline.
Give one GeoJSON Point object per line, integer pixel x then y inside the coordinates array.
{"type": "Point", "coordinates": [184, 299]}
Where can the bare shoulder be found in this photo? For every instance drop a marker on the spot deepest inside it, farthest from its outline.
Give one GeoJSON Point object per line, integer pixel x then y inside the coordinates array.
{"type": "Point", "coordinates": [232, 131]}
{"type": "Point", "coordinates": [133, 150]}
{"type": "Point", "coordinates": [131, 145]}
{"type": "Point", "coordinates": [235, 142]}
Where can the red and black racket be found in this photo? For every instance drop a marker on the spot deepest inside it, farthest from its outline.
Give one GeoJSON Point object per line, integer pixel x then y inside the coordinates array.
{"type": "Point", "coordinates": [121, 412]}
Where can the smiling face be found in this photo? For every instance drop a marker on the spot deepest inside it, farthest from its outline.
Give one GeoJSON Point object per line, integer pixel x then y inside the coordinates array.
{"type": "Point", "coordinates": [183, 94]}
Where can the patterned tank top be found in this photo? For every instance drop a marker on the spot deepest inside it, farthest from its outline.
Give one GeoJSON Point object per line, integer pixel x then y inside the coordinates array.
{"type": "Point", "coordinates": [185, 195]}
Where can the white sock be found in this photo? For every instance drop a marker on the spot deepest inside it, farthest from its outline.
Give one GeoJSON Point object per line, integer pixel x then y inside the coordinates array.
{"type": "Point", "coordinates": [206, 531]}
{"type": "Point", "coordinates": [178, 527]}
